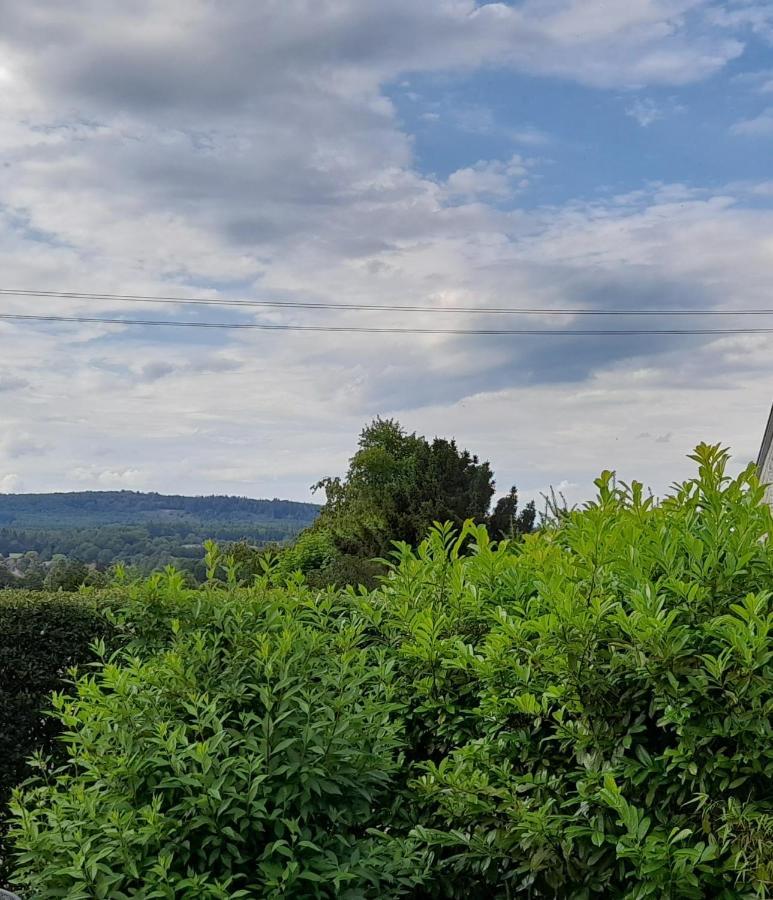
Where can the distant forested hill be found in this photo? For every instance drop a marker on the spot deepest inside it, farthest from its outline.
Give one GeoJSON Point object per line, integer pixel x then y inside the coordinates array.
{"type": "Point", "coordinates": [89, 508]}
{"type": "Point", "coordinates": [146, 530]}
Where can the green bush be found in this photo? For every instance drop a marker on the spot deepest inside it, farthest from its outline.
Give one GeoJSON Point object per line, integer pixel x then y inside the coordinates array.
{"type": "Point", "coordinates": [310, 553]}
{"type": "Point", "coordinates": [583, 713]}
{"type": "Point", "coordinates": [70, 575]}
{"type": "Point", "coordinates": [344, 570]}
{"type": "Point", "coordinates": [252, 753]}
{"type": "Point", "coordinates": [41, 637]}
{"type": "Point", "coordinates": [313, 549]}
{"type": "Point", "coordinates": [591, 709]}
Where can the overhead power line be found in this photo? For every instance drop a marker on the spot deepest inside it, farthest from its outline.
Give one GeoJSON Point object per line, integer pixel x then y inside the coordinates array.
{"type": "Point", "coordinates": [361, 329]}
{"type": "Point", "coordinates": [382, 307]}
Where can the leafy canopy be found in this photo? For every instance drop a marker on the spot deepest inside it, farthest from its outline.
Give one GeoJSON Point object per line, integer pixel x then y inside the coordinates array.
{"type": "Point", "coordinates": [398, 485]}
{"type": "Point", "coordinates": [506, 521]}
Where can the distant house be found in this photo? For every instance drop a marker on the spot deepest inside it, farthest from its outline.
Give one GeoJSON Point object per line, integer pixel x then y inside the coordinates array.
{"type": "Point", "coordinates": [765, 459]}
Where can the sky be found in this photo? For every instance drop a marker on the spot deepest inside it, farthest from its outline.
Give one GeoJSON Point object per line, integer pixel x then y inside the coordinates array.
{"type": "Point", "coordinates": [564, 154]}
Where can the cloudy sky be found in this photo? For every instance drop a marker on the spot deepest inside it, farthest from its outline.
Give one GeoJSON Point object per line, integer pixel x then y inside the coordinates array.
{"type": "Point", "coordinates": [557, 154]}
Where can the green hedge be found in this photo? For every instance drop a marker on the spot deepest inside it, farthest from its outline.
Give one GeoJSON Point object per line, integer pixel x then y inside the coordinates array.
{"type": "Point", "coordinates": [585, 713]}
{"type": "Point", "coordinates": [41, 636]}
{"type": "Point", "coordinates": [590, 712]}
{"type": "Point", "coordinates": [244, 746]}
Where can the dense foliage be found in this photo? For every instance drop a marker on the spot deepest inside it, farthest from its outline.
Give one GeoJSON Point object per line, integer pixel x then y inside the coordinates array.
{"type": "Point", "coordinates": [397, 486]}
{"type": "Point", "coordinates": [584, 712]}
{"type": "Point", "coordinates": [507, 521]}
{"type": "Point", "coordinates": [314, 554]}
{"type": "Point", "coordinates": [592, 713]}
{"type": "Point", "coordinates": [255, 754]}
{"type": "Point", "coordinates": [41, 637]}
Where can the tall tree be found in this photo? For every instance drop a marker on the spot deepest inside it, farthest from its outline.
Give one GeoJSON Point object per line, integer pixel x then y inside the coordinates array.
{"type": "Point", "coordinates": [397, 485]}
{"type": "Point", "coordinates": [506, 521]}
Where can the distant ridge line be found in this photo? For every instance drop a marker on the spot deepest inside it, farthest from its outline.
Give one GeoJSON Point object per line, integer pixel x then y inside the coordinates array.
{"type": "Point", "coordinates": [157, 494]}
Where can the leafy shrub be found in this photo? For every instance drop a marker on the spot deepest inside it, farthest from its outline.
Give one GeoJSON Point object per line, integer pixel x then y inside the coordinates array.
{"type": "Point", "coordinates": [591, 709]}
{"type": "Point", "coordinates": [583, 713]}
{"type": "Point", "coordinates": [344, 570]}
{"type": "Point", "coordinates": [70, 575]}
{"type": "Point", "coordinates": [41, 637]}
{"type": "Point", "coordinates": [313, 554]}
{"type": "Point", "coordinates": [312, 550]}
{"type": "Point", "coordinates": [251, 754]}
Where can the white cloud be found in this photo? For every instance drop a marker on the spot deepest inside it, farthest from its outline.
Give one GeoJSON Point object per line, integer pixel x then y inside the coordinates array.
{"type": "Point", "coordinates": [530, 136]}
{"type": "Point", "coordinates": [10, 483]}
{"type": "Point", "coordinates": [759, 126]}
{"type": "Point", "coordinates": [627, 42]}
{"type": "Point", "coordinates": [745, 14]}
{"type": "Point", "coordinates": [97, 478]}
{"type": "Point", "coordinates": [174, 149]}
{"type": "Point", "coordinates": [256, 415]}
{"type": "Point", "coordinates": [760, 81]}
{"type": "Point", "coordinates": [19, 445]}
{"type": "Point", "coordinates": [597, 425]}
{"type": "Point", "coordinates": [645, 111]}
{"type": "Point", "coordinates": [489, 178]}
{"type": "Point", "coordinates": [189, 54]}
{"type": "Point", "coordinates": [10, 382]}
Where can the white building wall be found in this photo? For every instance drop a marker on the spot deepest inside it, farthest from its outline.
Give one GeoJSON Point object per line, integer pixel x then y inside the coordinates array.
{"type": "Point", "coordinates": [765, 459]}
